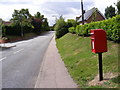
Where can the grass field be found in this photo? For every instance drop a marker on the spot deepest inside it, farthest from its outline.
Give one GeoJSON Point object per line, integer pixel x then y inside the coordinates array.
{"type": "Point", "coordinates": [82, 64]}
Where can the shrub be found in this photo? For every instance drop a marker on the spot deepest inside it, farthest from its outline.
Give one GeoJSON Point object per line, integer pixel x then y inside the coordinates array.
{"type": "Point", "coordinates": [72, 29]}
{"type": "Point", "coordinates": [78, 27]}
{"type": "Point", "coordinates": [111, 26]}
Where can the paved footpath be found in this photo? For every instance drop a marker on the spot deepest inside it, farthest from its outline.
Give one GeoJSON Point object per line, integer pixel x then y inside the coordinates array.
{"type": "Point", "coordinates": [53, 73]}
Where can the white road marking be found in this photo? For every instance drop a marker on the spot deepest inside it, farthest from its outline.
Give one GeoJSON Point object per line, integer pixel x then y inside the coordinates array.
{"type": "Point", "coordinates": [2, 59]}
{"type": "Point", "coordinates": [18, 51]}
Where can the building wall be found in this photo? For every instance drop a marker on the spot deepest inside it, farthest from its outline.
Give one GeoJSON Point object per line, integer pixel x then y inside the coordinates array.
{"type": "Point", "coordinates": [99, 17]}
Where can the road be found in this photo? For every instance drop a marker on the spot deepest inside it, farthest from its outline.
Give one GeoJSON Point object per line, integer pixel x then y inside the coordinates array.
{"type": "Point", "coordinates": [21, 64]}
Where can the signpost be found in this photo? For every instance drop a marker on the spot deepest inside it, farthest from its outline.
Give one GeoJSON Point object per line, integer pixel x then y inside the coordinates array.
{"type": "Point", "coordinates": [99, 45]}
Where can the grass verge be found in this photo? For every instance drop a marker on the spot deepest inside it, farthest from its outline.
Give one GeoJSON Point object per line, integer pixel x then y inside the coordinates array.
{"type": "Point", "coordinates": [82, 64]}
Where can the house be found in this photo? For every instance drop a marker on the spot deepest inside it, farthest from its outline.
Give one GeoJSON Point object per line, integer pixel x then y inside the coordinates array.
{"type": "Point", "coordinates": [7, 23]}
{"type": "Point", "coordinates": [91, 15]}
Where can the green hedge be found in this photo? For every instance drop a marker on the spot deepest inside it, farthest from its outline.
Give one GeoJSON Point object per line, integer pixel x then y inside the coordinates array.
{"type": "Point", "coordinates": [16, 30]}
{"type": "Point", "coordinates": [111, 26]}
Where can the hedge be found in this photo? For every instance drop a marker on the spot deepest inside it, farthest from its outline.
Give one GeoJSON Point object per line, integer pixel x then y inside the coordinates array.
{"type": "Point", "coordinates": [16, 30]}
{"type": "Point", "coordinates": [111, 26]}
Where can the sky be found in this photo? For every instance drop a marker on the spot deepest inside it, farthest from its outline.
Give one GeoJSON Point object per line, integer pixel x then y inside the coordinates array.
{"type": "Point", "coordinates": [52, 9]}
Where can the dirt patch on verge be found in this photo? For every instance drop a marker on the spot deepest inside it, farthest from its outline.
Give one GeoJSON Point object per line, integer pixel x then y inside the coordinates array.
{"type": "Point", "coordinates": [106, 77]}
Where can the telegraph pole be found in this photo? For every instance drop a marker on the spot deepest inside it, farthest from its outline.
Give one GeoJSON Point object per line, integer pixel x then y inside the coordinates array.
{"type": "Point", "coordinates": [82, 12]}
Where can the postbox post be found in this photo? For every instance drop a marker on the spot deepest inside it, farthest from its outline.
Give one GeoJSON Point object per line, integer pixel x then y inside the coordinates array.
{"type": "Point", "coordinates": [100, 67]}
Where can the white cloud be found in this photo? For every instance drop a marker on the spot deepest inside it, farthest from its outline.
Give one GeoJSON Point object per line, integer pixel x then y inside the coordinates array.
{"type": "Point", "coordinates": [52, 7]}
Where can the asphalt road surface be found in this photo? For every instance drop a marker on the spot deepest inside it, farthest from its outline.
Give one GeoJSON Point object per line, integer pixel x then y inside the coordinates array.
{"type": "Point", "coordinates": [21, 64]}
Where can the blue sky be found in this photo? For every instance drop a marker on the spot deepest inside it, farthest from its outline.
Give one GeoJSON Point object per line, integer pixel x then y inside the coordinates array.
{"type": "Point", "coordinates": [52, 9]}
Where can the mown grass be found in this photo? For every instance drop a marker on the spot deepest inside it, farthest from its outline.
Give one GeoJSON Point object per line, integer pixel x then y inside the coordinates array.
{"type": "Point", "coordinates": [82, 64]}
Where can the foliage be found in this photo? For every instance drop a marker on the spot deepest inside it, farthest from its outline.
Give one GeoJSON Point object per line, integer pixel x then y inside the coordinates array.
{"type": "Point", "coordinates": [60, 27]}
{"type": "Point", "coordinates": [111, 26]}
{"type": "Point", "coordinates": [40, 23]}
{"type": "Point", "coordinates": [37, 24]}
{"type": "Point", "coordinates": [110, 12]}
{"type": "Point", "coordinates": [45, 25]}
{"type": "Point", "coordinates": [82, 64]}
{"type": "Point", "coordinates": [72, 29]}
{"type": "Point", "coordinates": [21, 17]}
{"type": "Point", "coordinates": [118, 6]}
{"type": "Point", "coordinates": [71, 23]}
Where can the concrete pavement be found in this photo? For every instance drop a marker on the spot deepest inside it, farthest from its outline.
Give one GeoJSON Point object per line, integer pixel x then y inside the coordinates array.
{"type": "Point", "coordinates": [7, 45]}
{"type": "Point", "coordinates": [53, 73]}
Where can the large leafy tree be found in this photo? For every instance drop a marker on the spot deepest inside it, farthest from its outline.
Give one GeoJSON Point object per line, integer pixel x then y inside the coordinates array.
{"type": "Point", "coordinates": [118, 6]}
{"type": "Point", "coordinates": [110, 12]}
{"type": "Point", "coordinates": [45, 25]}
{"type": "Point", "coordinates": [39, 22]}
{"type": "Point", "coordinates": [71, 23]}
{"type": "Point", "coordinates": [21, 16]}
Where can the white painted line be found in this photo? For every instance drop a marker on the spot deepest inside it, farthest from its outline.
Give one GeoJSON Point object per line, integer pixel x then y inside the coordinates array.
{"type": "Point", "coordinates": [2, 59]}
{"type": "Point", "coordinates": [18, 51]}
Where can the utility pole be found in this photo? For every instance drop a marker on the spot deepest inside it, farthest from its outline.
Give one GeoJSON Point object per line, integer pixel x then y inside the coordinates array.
{"type": "Point", "coordinates": [82, 12]}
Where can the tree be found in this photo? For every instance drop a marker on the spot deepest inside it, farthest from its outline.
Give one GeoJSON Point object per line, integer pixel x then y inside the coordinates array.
{"type": "Point", "coordinates": [37, 21]}
{"type": "Point", "coordinates": [118, 7]}
{"type": "Point", "coordinates": [45, 25]}
{"type": "Point", "coordinates": [110, 12]}
{"type": "Point", "coordinates": [71, 23]}
{"type": "Point", "coordinates": [60, 27]}
{"type": "Point", "coordinates": [37, 24]}
{"type": "Point", "coordinates": [38, 15]}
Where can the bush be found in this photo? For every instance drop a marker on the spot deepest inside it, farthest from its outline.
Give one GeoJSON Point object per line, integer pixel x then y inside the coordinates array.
{"type": "Point", "coordinates": [78, 28]}
{"type": "Point", "coordinates": [60, 27]}
{"type": "Point", "coordinates": [15, 30]}
{"type": "Point", "coordinates": [111, 26]}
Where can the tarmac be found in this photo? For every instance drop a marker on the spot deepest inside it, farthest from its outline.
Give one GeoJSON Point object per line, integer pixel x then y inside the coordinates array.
{"type": "Point", "coordinates": [53, 73]}
{"type": "Point", "coordinates": [7, 45]}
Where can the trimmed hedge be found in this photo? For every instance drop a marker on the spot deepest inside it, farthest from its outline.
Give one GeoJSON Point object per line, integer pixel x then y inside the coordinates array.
{"type": "Point", "coordinates": [16, 30]}
{"type": "Point", "coordinates": [111, 26]}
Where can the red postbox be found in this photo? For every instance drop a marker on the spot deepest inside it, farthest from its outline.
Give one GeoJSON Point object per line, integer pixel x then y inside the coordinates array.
{"type": "Point", "coordinates": [98, 41]}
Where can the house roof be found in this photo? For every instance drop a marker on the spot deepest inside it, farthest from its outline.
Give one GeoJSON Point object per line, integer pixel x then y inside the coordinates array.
{"type": "Point", "coordinates": [7, 22]}
{"type": "Point", "coordinates": [89, 13]}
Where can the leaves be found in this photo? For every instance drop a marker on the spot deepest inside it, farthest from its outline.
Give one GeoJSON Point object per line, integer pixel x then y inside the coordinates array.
{"type": "Point", "coordinates": [60, 27]}
{"type": "Point", "coordinates": [24, 22]}
{"type": "Point", "coordinates": [111, 26]}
